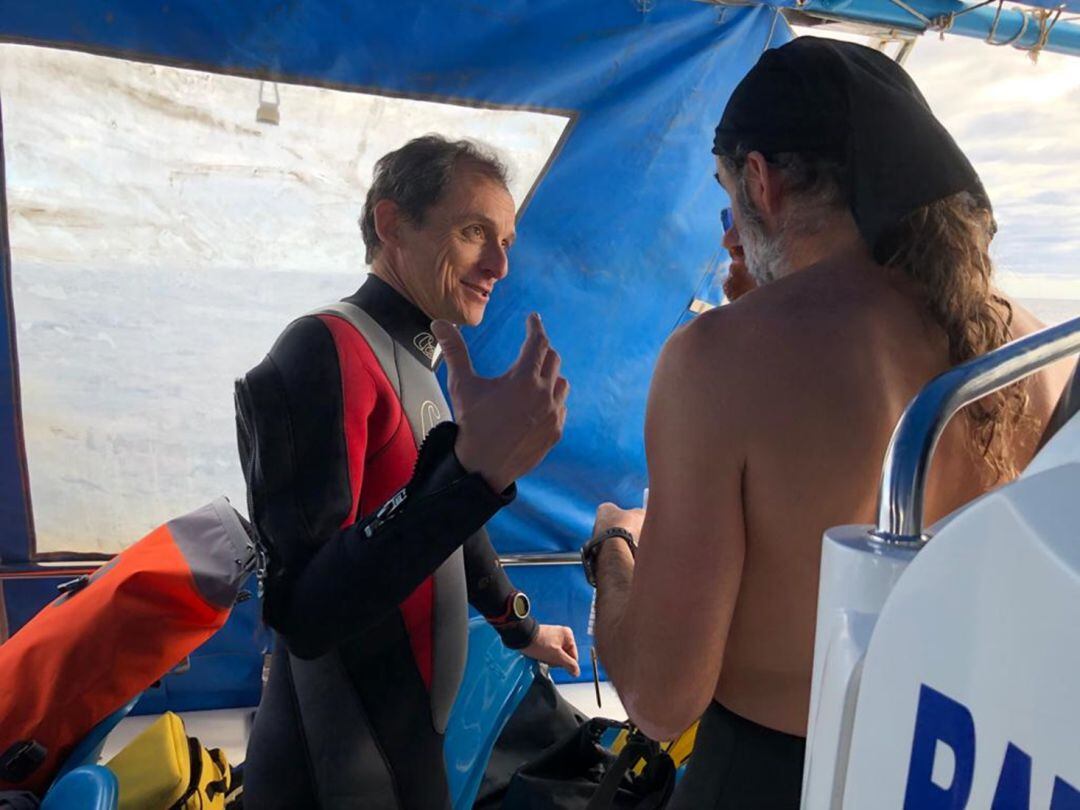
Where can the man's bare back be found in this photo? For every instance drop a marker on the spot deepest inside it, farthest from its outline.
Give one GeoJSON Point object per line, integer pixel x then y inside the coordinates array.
{"type": "Point", "coordinates": [867, 232]}
{"type": "Point", "coordinates": [817, 368]}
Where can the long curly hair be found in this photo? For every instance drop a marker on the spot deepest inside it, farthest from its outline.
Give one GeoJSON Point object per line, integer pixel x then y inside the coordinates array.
{"type": "Point", "coordinates": [944, 248]}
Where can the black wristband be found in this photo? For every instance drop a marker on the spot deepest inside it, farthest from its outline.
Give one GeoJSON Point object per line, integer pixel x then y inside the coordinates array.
{"type": "Point", "coordinates": [591, 550]}
{"type": "Point", "coordinates": [518, 635]}
{"type": "Point", "coordinates": [514, 624]}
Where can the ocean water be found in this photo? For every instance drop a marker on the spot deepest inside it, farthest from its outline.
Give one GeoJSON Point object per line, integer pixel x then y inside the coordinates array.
{"type": "Point", "coordinates": [1052, 311]}
{"type": "Point", "coordinates": [127, 379]}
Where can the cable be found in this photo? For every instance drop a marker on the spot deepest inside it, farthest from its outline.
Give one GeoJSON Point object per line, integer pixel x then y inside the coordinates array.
{"type": "Point", "coordinates": [944, 22]}
{"type": "Point", "coordinates": [913, 12]}
{"type": "Point", "coordinates": [994, 25]}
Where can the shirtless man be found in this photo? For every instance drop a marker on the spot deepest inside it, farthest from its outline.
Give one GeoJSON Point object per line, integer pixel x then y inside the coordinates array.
{"type": "Point", "coordinates": [870, 254]}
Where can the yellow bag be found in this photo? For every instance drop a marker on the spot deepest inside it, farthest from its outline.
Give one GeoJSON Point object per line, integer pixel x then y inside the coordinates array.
{"type": "Point", "coordinates": [164, 769]}
{"type": "Point", "coordinates": [678, 749]}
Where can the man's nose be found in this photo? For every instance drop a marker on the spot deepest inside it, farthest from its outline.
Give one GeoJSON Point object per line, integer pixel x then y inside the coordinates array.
{"type": "Point", "coordinates": [731, 239]}
{"type": "Point", "coordinates": [495, 262]}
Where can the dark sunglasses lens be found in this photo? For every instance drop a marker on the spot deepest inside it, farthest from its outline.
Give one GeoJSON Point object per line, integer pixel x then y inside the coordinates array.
{"type": "Point", "coordinates": [727, 219]}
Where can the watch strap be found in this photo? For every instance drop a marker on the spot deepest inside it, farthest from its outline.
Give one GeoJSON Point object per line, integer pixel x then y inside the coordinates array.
{"type": "Point", "coordinates": [591, 550]}
{"type": "Point", "coordinates": [508, 615]}
{"type": "Point", "coordinates": [516, 633]}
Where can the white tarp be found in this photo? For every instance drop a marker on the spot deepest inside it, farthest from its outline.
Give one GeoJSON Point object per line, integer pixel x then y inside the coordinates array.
{"type": "Point", "coordinates": [160, 239]}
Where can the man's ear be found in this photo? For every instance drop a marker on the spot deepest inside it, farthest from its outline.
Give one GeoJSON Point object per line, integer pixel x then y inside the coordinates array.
{"type": "Point", "coordinates": [388, 221]}
{"type": "Point", "coordinates": [765, 186]}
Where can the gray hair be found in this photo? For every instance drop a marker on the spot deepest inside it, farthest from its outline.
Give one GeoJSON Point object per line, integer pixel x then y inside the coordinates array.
{"type": "Point", "coordinates": [820, 185]}
{"type": "Point", "coordinates": [416, 177]}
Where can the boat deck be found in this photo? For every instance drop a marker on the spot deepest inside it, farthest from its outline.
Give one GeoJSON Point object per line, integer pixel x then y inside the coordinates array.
{"type": "Point", "coordinates": [228, 729]}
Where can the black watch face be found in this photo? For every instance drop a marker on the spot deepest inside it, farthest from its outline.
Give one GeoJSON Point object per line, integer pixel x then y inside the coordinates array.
{"type": "Point", "coordinates": [520, 606]}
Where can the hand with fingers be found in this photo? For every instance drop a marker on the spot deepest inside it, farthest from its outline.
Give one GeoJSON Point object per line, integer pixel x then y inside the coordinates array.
{"type": "Point", "coordinates": [554, 645]}
{"type": "Point", "coordinates": [506, 424]}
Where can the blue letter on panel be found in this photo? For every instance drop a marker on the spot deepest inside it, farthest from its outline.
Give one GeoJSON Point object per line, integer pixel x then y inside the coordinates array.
{"type": "Point", "coordinates": [1065, 797]}
{"type": "Point", "coordinates": [940, 719]}
{"type": "Point", "coordinates": [1014, 784]}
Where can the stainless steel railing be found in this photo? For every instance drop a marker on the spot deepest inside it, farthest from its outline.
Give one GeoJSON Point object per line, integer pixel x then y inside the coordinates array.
{"type": "Point", "coordinates": [907, 461]}
{"type": "Point", "coordinates": [542, 558]}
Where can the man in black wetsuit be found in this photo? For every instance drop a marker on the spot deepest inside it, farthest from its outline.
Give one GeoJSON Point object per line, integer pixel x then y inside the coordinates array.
{"type": "Point", "coordinates": [370, 504]}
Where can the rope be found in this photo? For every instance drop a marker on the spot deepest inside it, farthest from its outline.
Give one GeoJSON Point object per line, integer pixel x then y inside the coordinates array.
{"type": "Point", "coordinates": [944, 22]}
{"type": "Point", "coordinates": [1047, 19]}
{"type": "Point", "coordinates": [1046, 25]}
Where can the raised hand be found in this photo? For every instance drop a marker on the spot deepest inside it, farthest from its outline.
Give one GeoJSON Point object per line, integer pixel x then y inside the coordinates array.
{"type": "Point", "coordinates": [506, 424]}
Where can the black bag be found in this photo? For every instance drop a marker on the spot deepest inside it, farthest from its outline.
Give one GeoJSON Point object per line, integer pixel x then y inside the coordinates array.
{"type": "Point", "coordinates": [541, 720]}
{"type": "Point", "coordinates": [549, 757]}
{"type": "Point", "coordinates": [18, 800]}
{"type": "Point", "coordinates": [578, 773]}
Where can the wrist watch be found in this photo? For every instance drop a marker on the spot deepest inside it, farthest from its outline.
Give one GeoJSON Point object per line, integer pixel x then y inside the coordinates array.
{"type": "Point", "coordinates": [518, 608]}
{"type": "Point", "coordinates": [591, 550]}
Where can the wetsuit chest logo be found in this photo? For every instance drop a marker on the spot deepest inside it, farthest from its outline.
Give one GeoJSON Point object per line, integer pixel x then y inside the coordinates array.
{"type": "Point", "coordinates": [426, 343]}
{"type": "Point", "coordinates": [430, 416]}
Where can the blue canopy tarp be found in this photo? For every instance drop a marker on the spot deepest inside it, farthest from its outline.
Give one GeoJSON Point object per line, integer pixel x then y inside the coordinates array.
{"type": "Point", "coordinates": [620, 235]}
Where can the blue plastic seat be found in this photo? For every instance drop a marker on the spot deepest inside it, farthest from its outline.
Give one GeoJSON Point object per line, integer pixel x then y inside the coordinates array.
{"type": "Point", "coordinates": [495, 682]}
{"type": "Point", "coordinates": [90, 787]}
{"type": "Point", "coordinates": [88, 751]}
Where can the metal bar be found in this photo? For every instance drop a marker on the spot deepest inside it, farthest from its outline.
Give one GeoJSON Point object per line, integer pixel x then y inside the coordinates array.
{"type": "Point", "coordinates": [1017, 28]}
{"type": "Point", "coordinates": [542, 558]}
{"type": "Point", "coordinates": [1014, 26]}
{"type": "Point", "coordinates": [55, 571]}
{"type": "Point", "coordinates": [907, 461]}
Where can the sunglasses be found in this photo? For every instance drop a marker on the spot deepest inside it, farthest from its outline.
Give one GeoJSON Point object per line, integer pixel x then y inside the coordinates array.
{"type": "Point", "coordinates": [727, 219]}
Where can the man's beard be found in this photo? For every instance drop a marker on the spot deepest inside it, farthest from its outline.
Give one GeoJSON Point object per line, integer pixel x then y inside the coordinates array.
{"type": "Point", "coordinates": [764, 253]}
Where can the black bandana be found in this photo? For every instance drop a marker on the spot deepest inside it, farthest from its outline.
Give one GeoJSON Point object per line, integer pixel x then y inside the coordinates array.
{"type": "Point", "coordinates": [858, 107]}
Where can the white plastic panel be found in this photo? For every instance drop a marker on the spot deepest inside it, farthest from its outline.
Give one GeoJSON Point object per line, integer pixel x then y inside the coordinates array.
{"type": "Point", "coordinates": [976, 655]}
{"type": "Point", "coordinates": [856, 579]}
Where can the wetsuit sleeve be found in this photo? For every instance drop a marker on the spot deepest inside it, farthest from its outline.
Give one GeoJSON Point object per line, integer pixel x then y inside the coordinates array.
{"type": "Point", "coordinates": [325, 584]}
{"type": "Point", "coordinates": [491, 592]}
{"type": "Point", "coordinates": [366, 570]}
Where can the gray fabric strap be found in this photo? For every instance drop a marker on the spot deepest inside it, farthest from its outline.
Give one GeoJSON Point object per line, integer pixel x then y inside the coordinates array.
{"type": "Point", "coordinates": [377, 338]}
{"type": "Point", "coordinates": [216, 548]}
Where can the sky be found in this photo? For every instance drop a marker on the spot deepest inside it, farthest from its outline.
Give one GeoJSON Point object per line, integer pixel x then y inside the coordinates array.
{"type": "Point", "coordinates": [1019, 124]}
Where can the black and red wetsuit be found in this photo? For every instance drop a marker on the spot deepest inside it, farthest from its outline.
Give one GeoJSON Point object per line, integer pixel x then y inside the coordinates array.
{"type": "Point", "coordinates": [373, 547]}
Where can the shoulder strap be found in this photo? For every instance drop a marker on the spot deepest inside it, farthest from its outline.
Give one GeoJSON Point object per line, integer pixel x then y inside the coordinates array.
{"type": "Point", "coordinates": [638, 747]}
{"type": "Point", "coordinates": [380, 341]}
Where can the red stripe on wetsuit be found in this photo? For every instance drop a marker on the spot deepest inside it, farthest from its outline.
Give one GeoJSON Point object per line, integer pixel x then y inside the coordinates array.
{"type": "Point", "coordinates": [381, 455]}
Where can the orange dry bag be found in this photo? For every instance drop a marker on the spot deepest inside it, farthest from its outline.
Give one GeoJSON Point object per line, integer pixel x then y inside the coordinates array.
{"type": "Point", "coordinates": [112, 634]}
